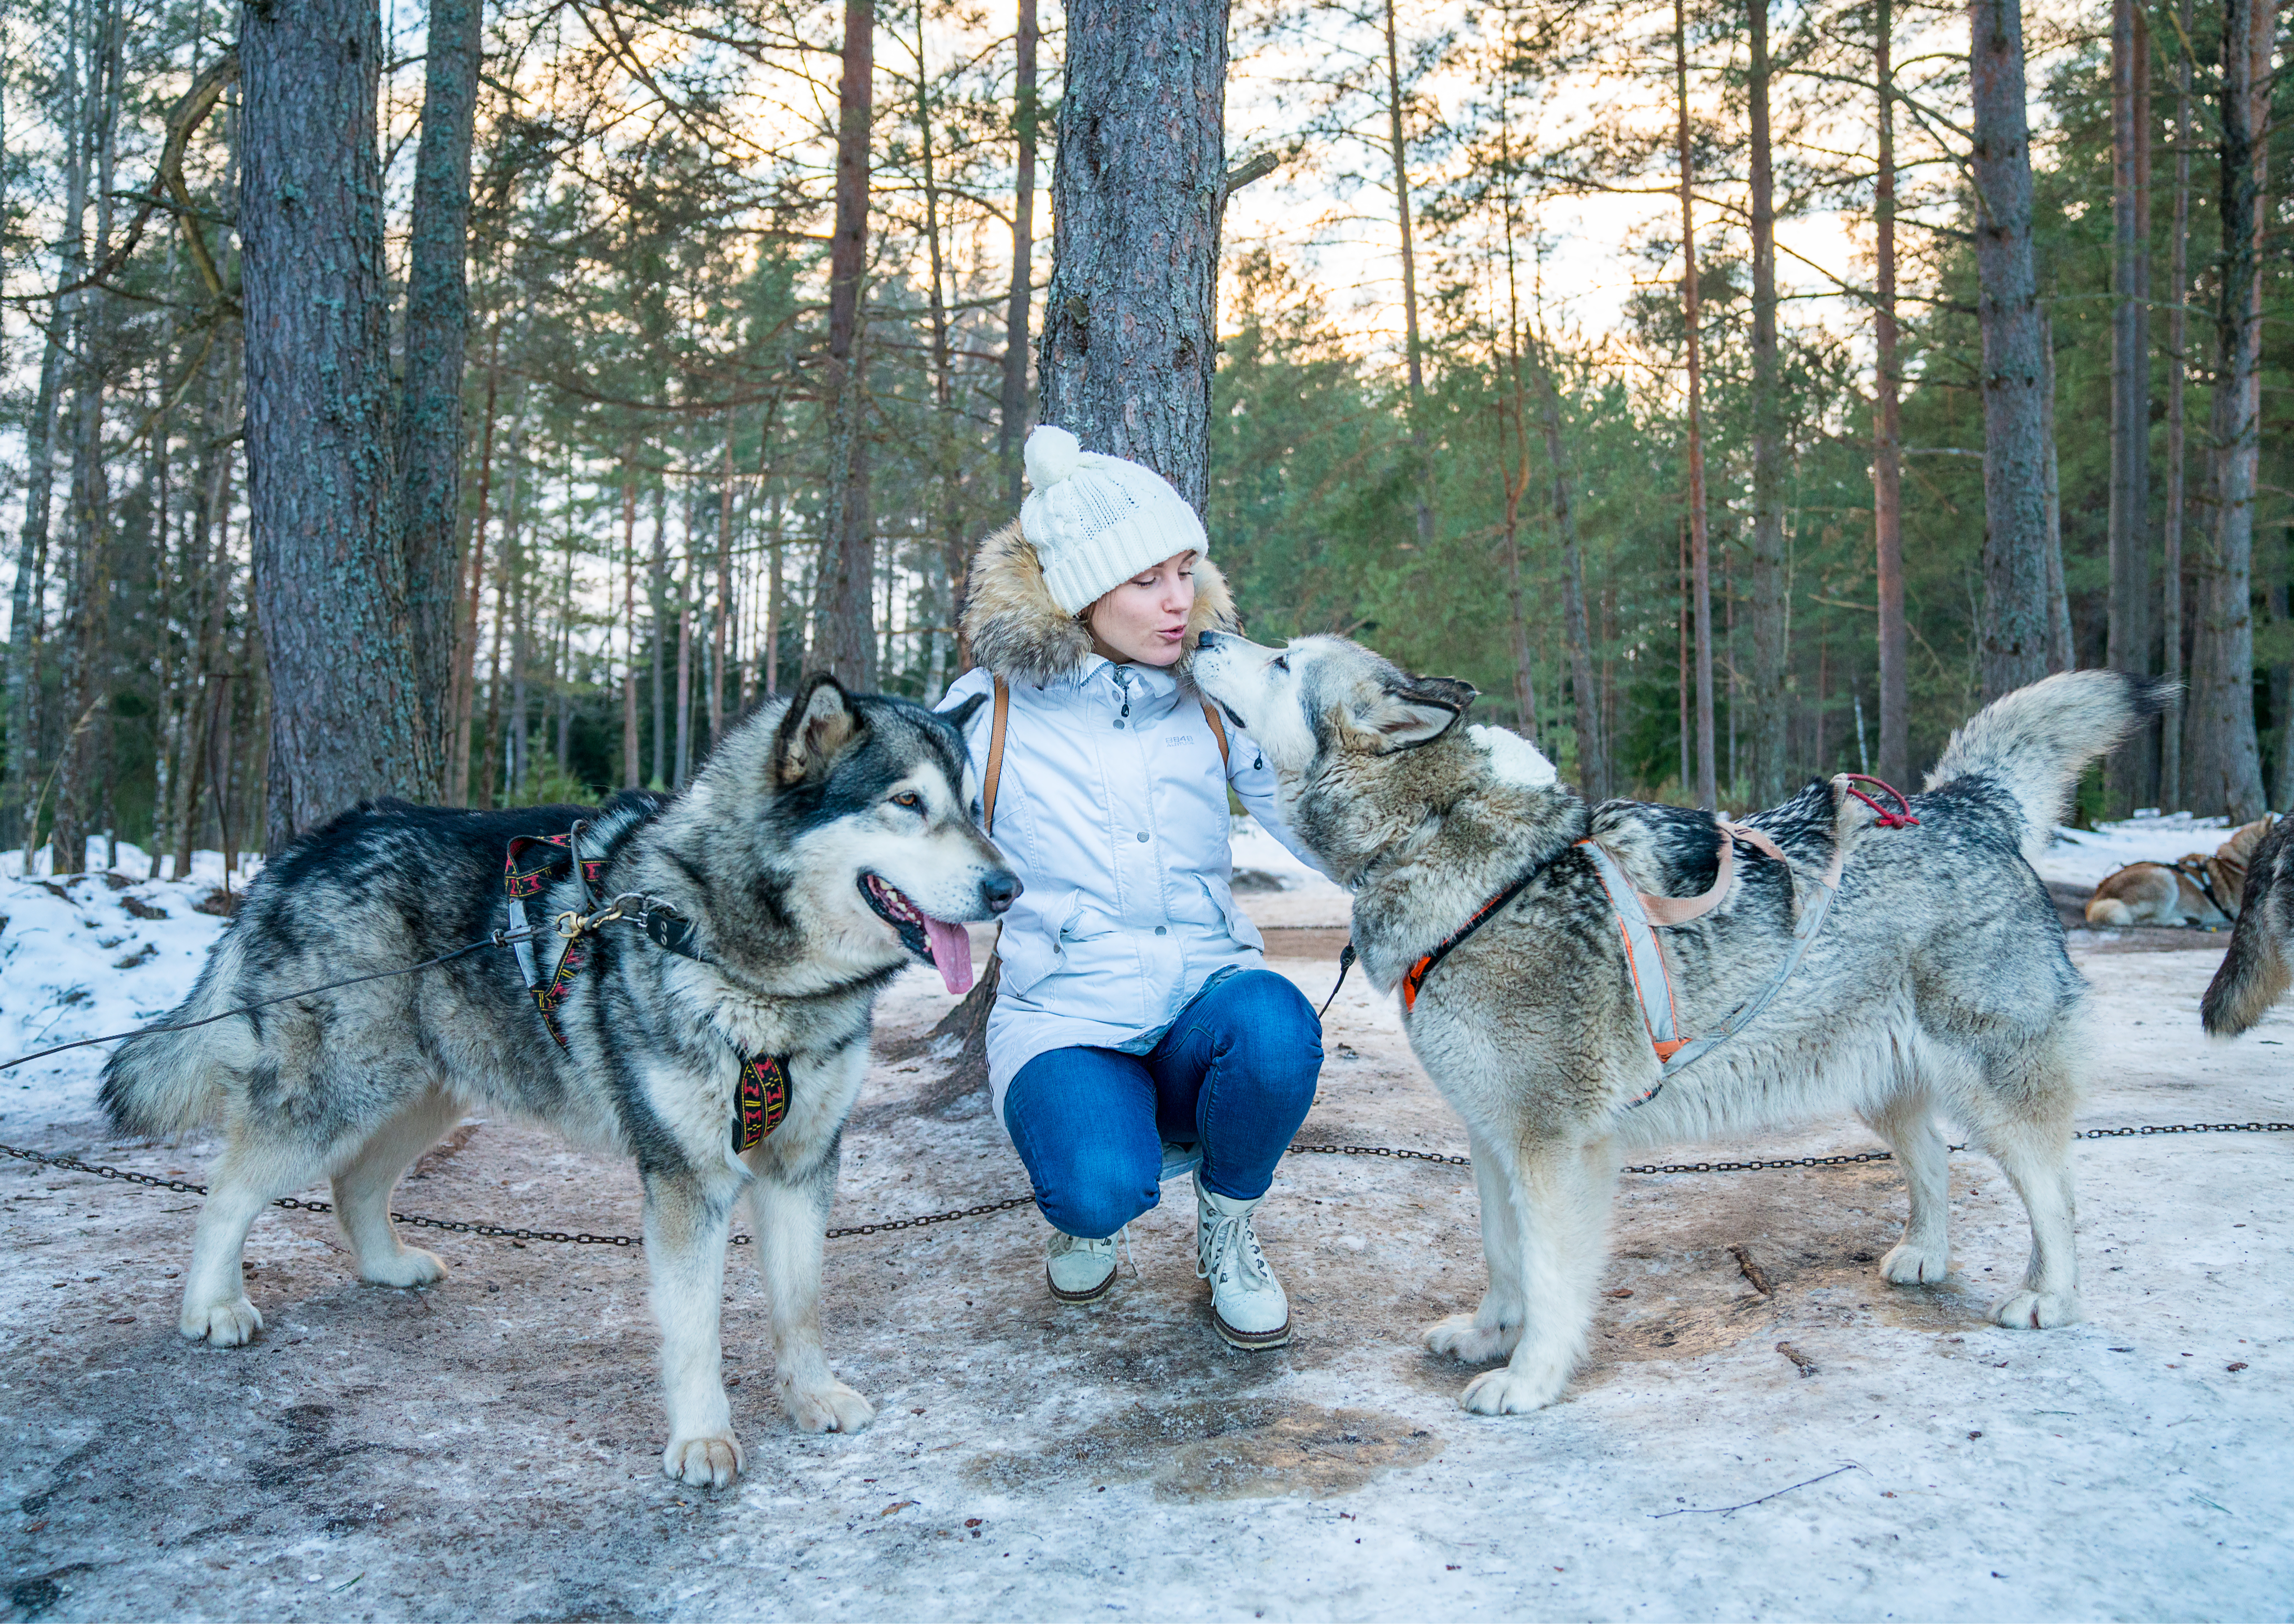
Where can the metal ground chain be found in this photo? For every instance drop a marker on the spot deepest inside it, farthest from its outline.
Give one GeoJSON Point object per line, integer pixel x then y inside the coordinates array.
{"type": "Point", "coordinates": [495, 1231]}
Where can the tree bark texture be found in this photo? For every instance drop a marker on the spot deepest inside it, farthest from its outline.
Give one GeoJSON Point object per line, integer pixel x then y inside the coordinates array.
{"type": "Point", "coordinates": [1700, 549]}
{"type": "Point", "coordinates": [2178, 367]}
{"type": "Point", "coordinates": [2127, 772]}
{"type": "Point", "coordinates": [1012, 412]}
{"type": "Point", "coordinates": [1592, 745]}
{"type": "Point", "coordinates": [2012, 638]}
{"type": "Point", "coordinates": [2060, 657]}
{"type": "Point", "coordinates": [2225, 765]}
{"type": "Point", "coordinates": [346, 719]}
{"type": "Point", "coordinates": [846, 632]}
{"type": "Point", "coordinates": [25, 608]}
{"type": "Point", "coordinates": [1888, 428]}
{"type": "Point", "coordinates": [1138, 187]}
{"type": "Point", "coordinates": [1770, 624]}
{"type": "Point", "coordinates": [1398, 144]}
{"type": "Point", "coordinates": [437, 327]}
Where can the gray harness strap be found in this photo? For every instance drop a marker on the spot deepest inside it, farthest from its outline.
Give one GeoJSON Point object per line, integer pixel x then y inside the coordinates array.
{"type": "Point", "coordinates": [1645, 961]}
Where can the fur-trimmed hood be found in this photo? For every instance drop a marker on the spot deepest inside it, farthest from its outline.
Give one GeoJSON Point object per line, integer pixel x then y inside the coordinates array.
{"type": "Point", "coordinates": [1018, 631]}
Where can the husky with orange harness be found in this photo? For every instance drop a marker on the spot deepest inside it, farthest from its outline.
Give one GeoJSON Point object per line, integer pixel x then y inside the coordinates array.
{"type": "Point", "coordinates": [1582, 981]}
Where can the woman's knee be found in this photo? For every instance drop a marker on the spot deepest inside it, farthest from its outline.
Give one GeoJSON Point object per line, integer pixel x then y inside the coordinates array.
{"type": "Point", "coordinates": [1094, 1195]}
{"type": "Point", "coordinates": [1270, 1030]}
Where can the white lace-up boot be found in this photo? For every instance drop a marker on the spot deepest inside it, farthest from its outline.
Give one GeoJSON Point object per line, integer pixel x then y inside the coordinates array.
{"type": "Point", "coordinates": [1246, 1302]}
{"type": "Point", "coordinates": [1078, 1270]}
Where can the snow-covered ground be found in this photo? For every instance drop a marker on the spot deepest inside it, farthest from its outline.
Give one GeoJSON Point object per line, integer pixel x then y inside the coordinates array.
{"type": "Point", "coordinates": [490, 1446]}
{"type": "Point", "coordinates": [96, 952]}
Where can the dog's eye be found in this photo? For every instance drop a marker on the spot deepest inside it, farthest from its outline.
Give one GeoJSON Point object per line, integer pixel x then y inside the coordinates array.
{"type": "Point", "coordinates": [909, 799]}
{"type": "Point", "coordinates": [1282, 663]}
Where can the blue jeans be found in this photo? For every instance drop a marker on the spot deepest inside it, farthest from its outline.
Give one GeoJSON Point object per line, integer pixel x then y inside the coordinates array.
{"type": "Point", "coordinates": [1235, 1075]}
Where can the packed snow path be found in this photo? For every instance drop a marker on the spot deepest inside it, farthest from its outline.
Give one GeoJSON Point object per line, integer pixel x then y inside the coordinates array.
{"type": "Point", "coordinates": [491, 1446]}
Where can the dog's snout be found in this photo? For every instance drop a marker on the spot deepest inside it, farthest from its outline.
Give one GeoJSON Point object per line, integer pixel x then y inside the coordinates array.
{"type": "Point", "coordinates": [1000, 890]}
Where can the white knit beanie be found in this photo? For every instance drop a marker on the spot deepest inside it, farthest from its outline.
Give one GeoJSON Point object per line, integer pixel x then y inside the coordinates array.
{"type": "Point", "coordinates": [1096, 520]}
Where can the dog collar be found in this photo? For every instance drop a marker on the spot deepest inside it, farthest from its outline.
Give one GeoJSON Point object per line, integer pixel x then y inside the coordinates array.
{"type": "Point", "coordinates": [536, 862]}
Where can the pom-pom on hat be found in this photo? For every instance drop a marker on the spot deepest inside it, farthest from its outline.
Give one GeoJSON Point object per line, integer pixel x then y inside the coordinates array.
{"type": "Point", "coordinates": [1096, 520]}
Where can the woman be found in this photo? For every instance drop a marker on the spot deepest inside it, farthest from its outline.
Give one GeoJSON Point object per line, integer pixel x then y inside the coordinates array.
{"type": "Point", "coordinates": [1135, 1007]}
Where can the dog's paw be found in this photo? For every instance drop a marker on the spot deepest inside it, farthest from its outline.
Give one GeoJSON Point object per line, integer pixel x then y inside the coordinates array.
{"type": "Point", "coordinates": [831, 1409]}
{"type": "Point", "coordinates": [706, 1463]}
{"type": "Point", "coordinates": [226, 1324]}
{"type": "Point", "coordinates": [1512, 1392]}
{"type": "Point", "coordinates": [1906, 1265]}
{"type": "Point", "coordinates": [2037, 1311]}
{"type": "Point", "coordinates": [411, 1266]}
{"type": "Point", "coordinates": [1469, 1344]}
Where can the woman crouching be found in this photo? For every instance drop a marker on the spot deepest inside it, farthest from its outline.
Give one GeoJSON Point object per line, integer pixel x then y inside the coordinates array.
{"type": "Point", "coordinates": [1134, 1016]}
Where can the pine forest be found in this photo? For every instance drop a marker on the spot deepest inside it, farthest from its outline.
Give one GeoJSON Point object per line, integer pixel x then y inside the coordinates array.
{"type": "Point", "coordinates": [488, 400]}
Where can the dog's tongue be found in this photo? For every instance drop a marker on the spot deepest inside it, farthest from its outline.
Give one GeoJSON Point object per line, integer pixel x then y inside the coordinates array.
{"type": "Point", "coordinates": [951, 954]}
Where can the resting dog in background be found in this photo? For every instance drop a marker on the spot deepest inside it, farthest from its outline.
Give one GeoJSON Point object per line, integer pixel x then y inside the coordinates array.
{"type": "Point", "coordinates": [2197, 889]}
{"type": "Point", "coordinates": [2254, 973]}
{"type": "Point", "coordinates": [825, 845]}
{"type": "Point", "coordinates": [1939, 983]}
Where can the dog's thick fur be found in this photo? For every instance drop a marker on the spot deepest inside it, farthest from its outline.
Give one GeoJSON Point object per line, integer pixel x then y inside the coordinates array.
{"type": "Point", "coordinates": [767, 852]}
{"type": "Point", "coordinates": [1938, 984]}
{"type": "Point", "coordinates": [2254, 972]}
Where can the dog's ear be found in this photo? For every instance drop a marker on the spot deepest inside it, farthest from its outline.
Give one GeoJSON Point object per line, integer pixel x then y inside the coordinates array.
{"type": "Point", "coordinates": [960, 717]}
{"type": "Point", "coordinates": [1418, 710]}
{"type": "Point", "coordinates": [819, 722]}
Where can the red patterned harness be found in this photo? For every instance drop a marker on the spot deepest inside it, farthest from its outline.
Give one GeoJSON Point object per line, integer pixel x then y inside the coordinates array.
{"type": "Point", "coordinates": [763, 1098]}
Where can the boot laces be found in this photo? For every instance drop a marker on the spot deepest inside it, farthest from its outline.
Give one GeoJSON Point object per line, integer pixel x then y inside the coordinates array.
{"type": "Point", "coordinates": [1063, 1243]}
{"type": "Point", "coordinates": [1229, 1242]}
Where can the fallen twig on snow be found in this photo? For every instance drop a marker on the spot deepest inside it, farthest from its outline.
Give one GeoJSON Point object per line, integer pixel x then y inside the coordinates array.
{"type": "Point", "coordinates": [1714, 1511]}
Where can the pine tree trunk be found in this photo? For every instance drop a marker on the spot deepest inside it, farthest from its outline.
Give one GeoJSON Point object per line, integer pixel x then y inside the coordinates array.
{"type": "Point", "coordinates": [25, 608]}
{"type": "Point", "coordinates": [848, 643]}
{"type": "Point", "coordinates": [83, 756]}
{"type": "Point", "coordinates": [2178, 367]}
{"type": "Point", "coordinates": [1138, 188]}
{"type": "Point", "coordinates": [657, 595]}
{"type": "Point", "coordinates": [1771, 714]}
{"type": "Point", "coordinates": [346, 716]}
{"type": "Point", "coordinates": [2013, 634]}
{"type": "Point", "coordinates": [1888, 428]}
{"type": "Point", "coordinates": [436, 336]}
{"type": "Point", "coordinates": [2060, 655]}
{"type": "Point", "coordinates": [466, 642]}
{"type": "Point", "coordinates": [1398, 145]}
{"type": "Point", "coordinates": [946, 430]}
{"type": "Point", "coordinates": [630, 776]}
{"type": "Point", "coordinates": [1012, 410]}
{"type": "Point", "coordinates": [1700, 550]}
{"type": "Point", "coordinates": [2127, 772]}
{"type": "Point", "coordinates": [1592, 745]}
{"type": "Point", "coordinates": [2226, 766]}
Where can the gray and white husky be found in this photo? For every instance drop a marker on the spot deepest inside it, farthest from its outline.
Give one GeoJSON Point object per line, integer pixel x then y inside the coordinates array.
{"type": "Point", "coordinates": [1939, 983]}
{"type": "Point", "coordinates": [826, 844]}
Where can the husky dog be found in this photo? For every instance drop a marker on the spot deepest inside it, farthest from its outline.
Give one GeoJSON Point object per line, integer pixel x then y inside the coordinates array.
{"type": "Point", "coordinates": [1939, 982]}
{"type": "Point", "coordinates": [825, 845]}
{"type": "Point", "coordinates": [2254, 973]}
{"type": "Point", "coordinates": [2195, 890]}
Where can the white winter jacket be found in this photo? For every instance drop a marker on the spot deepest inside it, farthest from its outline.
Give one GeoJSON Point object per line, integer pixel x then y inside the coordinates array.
{"type": "Point", "coordinates": [1111, 808]}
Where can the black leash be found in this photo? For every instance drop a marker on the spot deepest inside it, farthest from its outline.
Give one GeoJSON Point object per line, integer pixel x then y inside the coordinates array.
{"type": "Point", "coordinates": [499, 938]}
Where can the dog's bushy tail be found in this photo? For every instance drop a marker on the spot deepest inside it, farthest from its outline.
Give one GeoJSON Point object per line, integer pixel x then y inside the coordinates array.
{"type": "Point", "coordinates": [2036, 741]}
{"type": "Point", "coordinates": [168, 1083]}
{"type": "Point", "coordinates": [2254, 973]}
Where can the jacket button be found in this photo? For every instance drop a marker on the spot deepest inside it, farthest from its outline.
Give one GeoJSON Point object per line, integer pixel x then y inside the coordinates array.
{"type": "Point", "coordinates": [1119, 722]}
{"type": "Point", "coordinates": [1161, 931]}
{"type": "Point", "coordinates": [1142, 836]}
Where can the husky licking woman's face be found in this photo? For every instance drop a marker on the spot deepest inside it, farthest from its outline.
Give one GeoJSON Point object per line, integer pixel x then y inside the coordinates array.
{"type": "Point", "coordinates": [1321, 697]}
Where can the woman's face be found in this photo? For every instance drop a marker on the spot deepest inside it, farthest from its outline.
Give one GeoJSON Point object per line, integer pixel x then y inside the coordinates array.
{"type": "Point", "coordinates": [1144, 621]}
